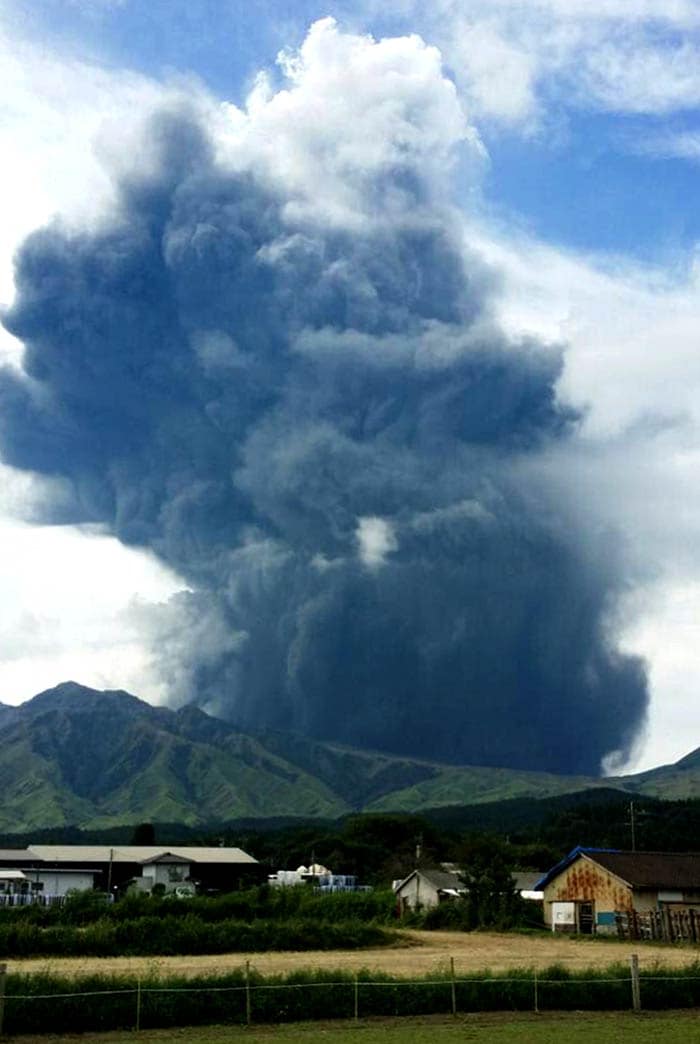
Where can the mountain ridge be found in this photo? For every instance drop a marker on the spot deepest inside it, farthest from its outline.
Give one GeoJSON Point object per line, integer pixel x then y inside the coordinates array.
{"type": "Point", "coordinates": [73, 755]}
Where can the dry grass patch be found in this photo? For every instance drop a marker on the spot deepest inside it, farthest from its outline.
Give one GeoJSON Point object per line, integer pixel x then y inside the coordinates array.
{"type": "Point", "coordinates": [419, 953]}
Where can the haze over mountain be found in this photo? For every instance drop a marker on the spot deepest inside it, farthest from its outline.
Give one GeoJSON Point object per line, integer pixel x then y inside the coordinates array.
{"type": "Point", "coordinates": [73, 755]}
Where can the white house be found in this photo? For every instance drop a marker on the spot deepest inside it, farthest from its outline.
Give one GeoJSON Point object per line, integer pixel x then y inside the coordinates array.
{"type": "Point", "coordinates": [423, 889]}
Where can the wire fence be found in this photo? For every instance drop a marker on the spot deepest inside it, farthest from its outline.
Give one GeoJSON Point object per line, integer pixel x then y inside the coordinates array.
{"type": "Point", "coordinates": [39, 1004]}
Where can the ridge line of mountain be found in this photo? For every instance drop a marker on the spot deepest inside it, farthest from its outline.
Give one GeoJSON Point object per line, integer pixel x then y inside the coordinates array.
{"type": "Point", "coordinates": [75, 755]}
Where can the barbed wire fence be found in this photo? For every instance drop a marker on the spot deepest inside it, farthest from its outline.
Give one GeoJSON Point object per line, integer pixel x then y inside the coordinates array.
{"type": "Point", "coordinates": [354, 997]}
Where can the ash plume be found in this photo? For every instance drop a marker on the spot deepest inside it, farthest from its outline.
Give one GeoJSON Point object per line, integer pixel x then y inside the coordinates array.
{"type": "Point", "coordinates": [318, 424]}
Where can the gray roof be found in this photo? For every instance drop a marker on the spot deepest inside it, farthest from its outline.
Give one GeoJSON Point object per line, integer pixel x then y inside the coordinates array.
{"type": "Point", "coordinates": [653, 869]}
{"type": "Point", "coordinates": [442, 879]}
{"type": "Point", "coordinates": [135, 854]}
{"type": "Point", "coordinates": [166, 857]}
{"type": "Point", "coordinates": [439, 879]}
{"type": "Point", "coordinates": [672, 870]}
{"type": "Point", "coordinates": [525, 880]}
{"type": "Point", "coordinates": [10, 855]}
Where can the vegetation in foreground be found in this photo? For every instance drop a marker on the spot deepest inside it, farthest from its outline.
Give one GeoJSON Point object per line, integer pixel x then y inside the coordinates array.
{"type": "Point", "coordinates": [46, 1002]}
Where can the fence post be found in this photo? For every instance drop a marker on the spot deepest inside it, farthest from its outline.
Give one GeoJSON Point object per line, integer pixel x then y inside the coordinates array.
{"type": "Point", "coordinates": [248, 1009]}
{"type": "Point", "coordinates": [3, 981]}
{"type": "Point", "coordinates": [634, 973]}
{"type": "Point", "coordinates": [357, 999]}
{"type": "Point", "coordinates": [537, 994]}
{"type": "Point", "coordinates": [454, 987]}
{"type": "Point", "coordinates": [138, 1004]}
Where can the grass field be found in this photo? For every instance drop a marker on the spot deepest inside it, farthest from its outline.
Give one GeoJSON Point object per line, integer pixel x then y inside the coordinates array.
{"type": "Point", "coordinates": [420, 953]}
{"type": "Point", "coordinates": [666, 1028]}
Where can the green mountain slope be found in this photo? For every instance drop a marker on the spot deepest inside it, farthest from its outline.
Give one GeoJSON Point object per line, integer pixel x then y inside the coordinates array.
{"type": "Point", "coordinates": [673, 782]}
{"type": "Point", "coordinates": [482, 786]}
{"type": "Point", "coordinates": [73, 755]}
{"type": "Point", "coordinates": [76, 756]}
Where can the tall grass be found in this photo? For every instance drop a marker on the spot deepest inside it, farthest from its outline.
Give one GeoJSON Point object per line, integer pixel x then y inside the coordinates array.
{"type": "Point", "coordinates": [34, 1003]}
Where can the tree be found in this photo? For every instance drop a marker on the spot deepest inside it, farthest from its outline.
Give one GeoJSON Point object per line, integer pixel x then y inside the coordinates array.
{"type": "Point", "coordinates": [487, 875]}
{"type": "Point", "coordinates": [144, 834]}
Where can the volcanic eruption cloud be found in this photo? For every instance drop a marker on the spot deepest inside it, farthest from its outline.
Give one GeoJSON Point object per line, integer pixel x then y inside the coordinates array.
{"type": "Point", "coordinates": [275, 364]}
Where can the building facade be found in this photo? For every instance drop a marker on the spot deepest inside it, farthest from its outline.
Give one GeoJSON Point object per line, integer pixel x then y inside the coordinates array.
{"type": "Point", "coordinates": [594, 890]}
{"type": "Point", "coordinates": [54, 870]}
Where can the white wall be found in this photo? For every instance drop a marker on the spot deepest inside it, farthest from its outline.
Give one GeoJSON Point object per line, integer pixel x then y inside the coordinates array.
{"type": "Point", "coordinates": [60, 884]}
{"type": "Point", "coordinates": [418, 892]}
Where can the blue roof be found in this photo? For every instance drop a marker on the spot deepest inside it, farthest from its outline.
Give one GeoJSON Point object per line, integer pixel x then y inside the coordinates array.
{"type": "Point", "coordinates": [566, 861]}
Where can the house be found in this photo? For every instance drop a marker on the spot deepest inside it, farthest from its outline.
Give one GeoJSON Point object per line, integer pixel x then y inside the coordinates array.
{"type": "Point", "coordinates": [54, 870]}
{"type": "Point", "coordinates": [423, 889]}
{"type": "Point", "coordinates": [598, 890]}
{"type": "Point", "coordinates": [168, 872]}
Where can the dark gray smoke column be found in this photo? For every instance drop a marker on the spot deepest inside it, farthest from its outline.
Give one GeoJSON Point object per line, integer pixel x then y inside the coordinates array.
{"type": "Point", "coordinates": [321, 429]}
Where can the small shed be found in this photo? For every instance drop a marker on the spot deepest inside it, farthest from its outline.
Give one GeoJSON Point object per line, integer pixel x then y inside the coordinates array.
{"type": "Point", "coordinates": [423, 889]}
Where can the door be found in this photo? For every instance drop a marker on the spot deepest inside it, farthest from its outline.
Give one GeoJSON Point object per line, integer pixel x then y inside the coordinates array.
{"type": "Point", "coordinates": [585, 918]}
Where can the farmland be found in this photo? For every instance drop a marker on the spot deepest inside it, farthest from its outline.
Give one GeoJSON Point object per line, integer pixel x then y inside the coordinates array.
{"type": "Point", "coordinates": [417, 953]}
{"type": "Point", "coordinates": [492, 973]}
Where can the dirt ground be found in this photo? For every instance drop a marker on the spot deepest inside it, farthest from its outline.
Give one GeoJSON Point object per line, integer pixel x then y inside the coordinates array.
{"type": "Point", "coordinates": [420, 953]}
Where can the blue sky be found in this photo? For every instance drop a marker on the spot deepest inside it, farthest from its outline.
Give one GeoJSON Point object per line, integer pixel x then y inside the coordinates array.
{"type": "Point", "coordinates": [577, 181]}
{"type": "Point", "coordinates": [592, 174]}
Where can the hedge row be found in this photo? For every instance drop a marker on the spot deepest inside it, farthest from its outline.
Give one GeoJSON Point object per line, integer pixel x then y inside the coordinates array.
{"type": "Point", "coordinates": [256, 903]}
{"type": "Point", "coordinates": [34, 1003]}
{"type": "Point", "coordinates": [170, 935]}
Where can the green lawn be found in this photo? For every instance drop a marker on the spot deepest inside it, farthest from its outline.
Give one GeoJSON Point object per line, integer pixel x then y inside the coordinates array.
{"type": "Point", "coordinates": [679, 1027]}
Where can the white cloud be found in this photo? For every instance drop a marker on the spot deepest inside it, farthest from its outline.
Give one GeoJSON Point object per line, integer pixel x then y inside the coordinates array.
{"type": "Point", "coordinates": [351, 109]}
{"type": "Point", "coordinates": [668, 145]}
{"type": "Point", "coordinates": [638, 73]}
{"type": "Point", "coordinates": [517, 60]}
{"type": "Point", "coordinates": [376, 540]}
{"type": "Point", "coordinates": [66, 610]}
{"type": "Point", "coordinates": [496, 74]}
{"type": "Point", "coordinates": [666, 630]}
